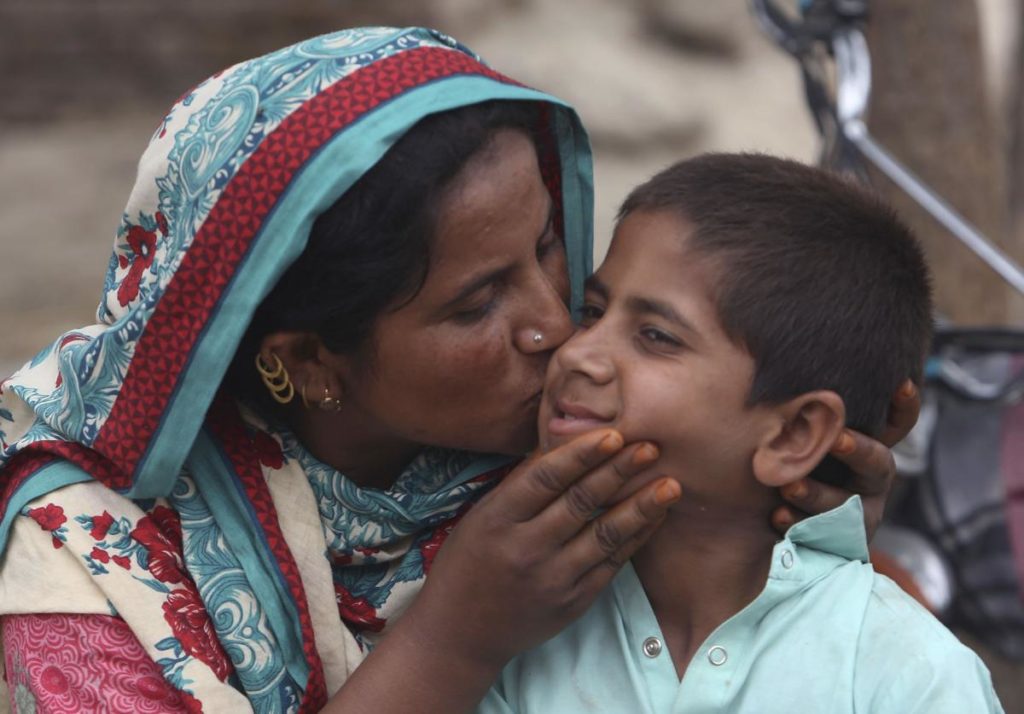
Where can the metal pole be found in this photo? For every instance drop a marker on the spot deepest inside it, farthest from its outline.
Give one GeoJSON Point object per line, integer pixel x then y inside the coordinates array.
{"type": "Point", "coordinates": [857, 132]}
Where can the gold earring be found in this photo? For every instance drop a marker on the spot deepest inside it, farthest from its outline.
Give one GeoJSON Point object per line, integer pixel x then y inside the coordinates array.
{"type": "Point", "coordinates": [276, 379]}
{"type": "Point", "coordinates": [329, 403]}
{"type": "Point", "coordinates": [302, 393]}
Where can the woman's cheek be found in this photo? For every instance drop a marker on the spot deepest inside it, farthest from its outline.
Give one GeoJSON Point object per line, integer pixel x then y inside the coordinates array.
{"type": "Point", "coordinates": [558, 276]}
{"type": "Point", "coordinates": [479, 352]}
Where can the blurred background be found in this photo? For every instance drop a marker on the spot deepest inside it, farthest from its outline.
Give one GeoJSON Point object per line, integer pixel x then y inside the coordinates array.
{"type": "Point", "coordinates": [84, 83]}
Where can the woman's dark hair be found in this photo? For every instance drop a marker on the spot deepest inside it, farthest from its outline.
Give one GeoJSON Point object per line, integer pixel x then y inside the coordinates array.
{"type": "Point", "coordinates": [371, 248]}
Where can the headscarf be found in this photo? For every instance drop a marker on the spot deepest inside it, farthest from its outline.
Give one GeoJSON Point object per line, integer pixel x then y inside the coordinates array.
{"type": "Point", "coordinates": [226, 193]}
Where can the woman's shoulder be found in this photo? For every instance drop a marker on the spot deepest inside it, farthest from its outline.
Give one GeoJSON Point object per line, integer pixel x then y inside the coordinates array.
{"type": "Point", "coordinates": [64, 547]}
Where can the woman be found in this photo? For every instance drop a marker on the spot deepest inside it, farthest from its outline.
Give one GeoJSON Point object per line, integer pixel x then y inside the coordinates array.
{"type": "Point", "coordinates": [175, 540]}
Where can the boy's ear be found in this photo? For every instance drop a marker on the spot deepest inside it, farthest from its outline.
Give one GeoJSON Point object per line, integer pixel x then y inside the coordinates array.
{"type": "Point", "coordinates": [806, 428]}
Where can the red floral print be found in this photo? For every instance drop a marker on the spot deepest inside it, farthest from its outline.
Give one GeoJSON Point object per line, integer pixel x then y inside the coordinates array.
{"type": "Point", "coordinates": [268, 449]}
{"type": "Point", "coordinates": [167, 520]}
{"type": "Point", "coordinates": [143, 245]}
{"type": "Point", "coordinates": [192, 705]}
{"type": "Point", "coordinates": [50, 517]}
{"type": "Point", "coordinates": [100, 525]}
{"type": "Point", "coordinates": [161, 222]}
{"type": "Point", "coordinates": [100, 555]}
{"type": "Point", "coordinates": [186, 614]}
{"type": "Point", "coordinates": [357, 612]}
{"type": "Point", "coordinates": [165, 562]}
{"type": "Point", "coordinates": [123, 561]}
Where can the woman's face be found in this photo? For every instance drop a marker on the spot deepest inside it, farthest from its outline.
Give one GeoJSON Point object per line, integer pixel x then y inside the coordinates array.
{"type": "Point", "coordinates": [457, 366]}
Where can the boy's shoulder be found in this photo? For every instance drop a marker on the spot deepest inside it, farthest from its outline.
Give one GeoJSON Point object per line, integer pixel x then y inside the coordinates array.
{"type": "Point", "coordinates": [892, 616]}
{"type": "Point", "coordinates": [907, 660]}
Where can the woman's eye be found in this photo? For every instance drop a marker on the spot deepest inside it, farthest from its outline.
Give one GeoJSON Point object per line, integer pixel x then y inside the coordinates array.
{"type": "Point", "coordinates": [474, 314]}
{"type": "Point", "coordinates": [658, 337]}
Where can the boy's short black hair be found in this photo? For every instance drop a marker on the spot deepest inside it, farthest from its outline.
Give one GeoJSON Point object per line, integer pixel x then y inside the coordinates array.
{"type": "Point", "coordinates": [817, 278]}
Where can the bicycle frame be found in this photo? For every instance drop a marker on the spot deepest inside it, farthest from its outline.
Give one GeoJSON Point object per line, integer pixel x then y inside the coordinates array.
{"type": "Point", "coordinates": [835, 25]}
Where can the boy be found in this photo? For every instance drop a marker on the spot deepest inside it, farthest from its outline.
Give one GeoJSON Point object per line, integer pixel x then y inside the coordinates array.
{"type": "Point", "coordinates": [749, 309]}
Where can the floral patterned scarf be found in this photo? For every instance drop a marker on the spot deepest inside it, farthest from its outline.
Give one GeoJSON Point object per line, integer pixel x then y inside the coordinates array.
{"type": "Point", "coordinates": [127, 489]}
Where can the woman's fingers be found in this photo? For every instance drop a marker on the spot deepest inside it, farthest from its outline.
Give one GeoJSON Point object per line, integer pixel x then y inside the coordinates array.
{"type": "Point", "coordinates": [612, 538]}
{"type": "Point", "coordinates": [812, 497]}
{"type": "Point", "coordinates": [903, 412]}
{"type": "Point", "coordinates": [873, 468]}
{"type": "Point", "coordinates": [536, 483]}
{"type": "Point", "coordinates": [870, 461]}
{"type": "Point", "coordinates": [784, 517]}
{"type": "Point", "coordinates": [577, 506]}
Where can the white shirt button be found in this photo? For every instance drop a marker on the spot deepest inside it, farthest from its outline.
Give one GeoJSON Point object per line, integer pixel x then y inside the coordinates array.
{"type": "Point", "coordinates": [787, 559]}
{"type": "Point", "coordinates": [652, 647]}
{"type": "Point", "coordinates": [717, 655]}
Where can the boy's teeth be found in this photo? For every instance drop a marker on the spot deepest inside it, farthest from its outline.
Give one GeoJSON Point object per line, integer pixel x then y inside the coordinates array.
{"type": "Point", "coordinates": [569, 417]}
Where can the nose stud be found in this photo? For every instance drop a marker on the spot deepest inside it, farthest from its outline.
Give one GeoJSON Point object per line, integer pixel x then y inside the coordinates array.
{"type": "Point", "coordinates": [537, 338]}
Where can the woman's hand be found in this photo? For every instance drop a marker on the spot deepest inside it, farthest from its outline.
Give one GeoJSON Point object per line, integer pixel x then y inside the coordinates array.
{"type": "Point", "coordinates": [870, 461]}
{"type": "Point", "coordinates": [531, 555]}
{"type": "Point", "coordinates": [523, 563]}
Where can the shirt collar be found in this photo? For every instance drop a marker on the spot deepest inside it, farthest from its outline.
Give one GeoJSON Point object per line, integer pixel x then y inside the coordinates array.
{"type": "Point", "coordinates": [839, 531]}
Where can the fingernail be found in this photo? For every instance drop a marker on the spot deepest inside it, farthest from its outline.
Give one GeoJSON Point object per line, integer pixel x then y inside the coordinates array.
{"type": "Point", "coordinates": [907, 390]}
{"type": "Point", "coordinates": [783, 520]}
{"type": "Point", "coordinates": [667, 492]}
{"type": "Point", "coordinates": [645, 454]}
{"type": "Point", "coordinates": [796, 491]}
{"type": "Point", "coordinates": [610, 443]}
{"type": "Point", "coordinates": [844, 444]}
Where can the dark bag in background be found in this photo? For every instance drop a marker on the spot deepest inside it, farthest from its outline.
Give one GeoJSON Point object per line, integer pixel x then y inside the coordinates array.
{"type": "Point", "coordinates": [957, 513]}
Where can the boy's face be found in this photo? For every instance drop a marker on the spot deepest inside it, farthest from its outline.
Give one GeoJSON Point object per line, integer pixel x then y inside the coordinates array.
{"type": "Point", "coordinates": [652, 360]}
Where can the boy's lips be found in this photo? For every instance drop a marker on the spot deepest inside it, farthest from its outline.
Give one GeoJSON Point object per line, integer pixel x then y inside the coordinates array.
{"type": "Point", "coordinates": [570, 419]}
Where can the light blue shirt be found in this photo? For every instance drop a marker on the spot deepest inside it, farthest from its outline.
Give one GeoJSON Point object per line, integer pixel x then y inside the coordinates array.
{"type": "Point", "coordinates": [825, 635]}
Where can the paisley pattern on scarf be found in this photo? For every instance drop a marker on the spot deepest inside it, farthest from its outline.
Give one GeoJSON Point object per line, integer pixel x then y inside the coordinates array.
{"type": "Point", "coordinates": [380, 542]}
{"type": "Point", "coordinates": [237, 615]}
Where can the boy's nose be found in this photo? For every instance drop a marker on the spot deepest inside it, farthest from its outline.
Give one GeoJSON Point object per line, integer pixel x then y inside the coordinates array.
{"type": "Point", "coordinates": [586, 353]}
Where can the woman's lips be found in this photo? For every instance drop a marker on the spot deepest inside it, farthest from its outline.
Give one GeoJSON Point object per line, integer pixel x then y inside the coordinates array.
{"type": "Point", "coordinates": [569, 419]}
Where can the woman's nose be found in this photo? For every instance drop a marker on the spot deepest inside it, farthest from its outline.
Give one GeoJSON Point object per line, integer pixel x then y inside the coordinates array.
{"type": "Point", "coordinates": [547, 323]}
